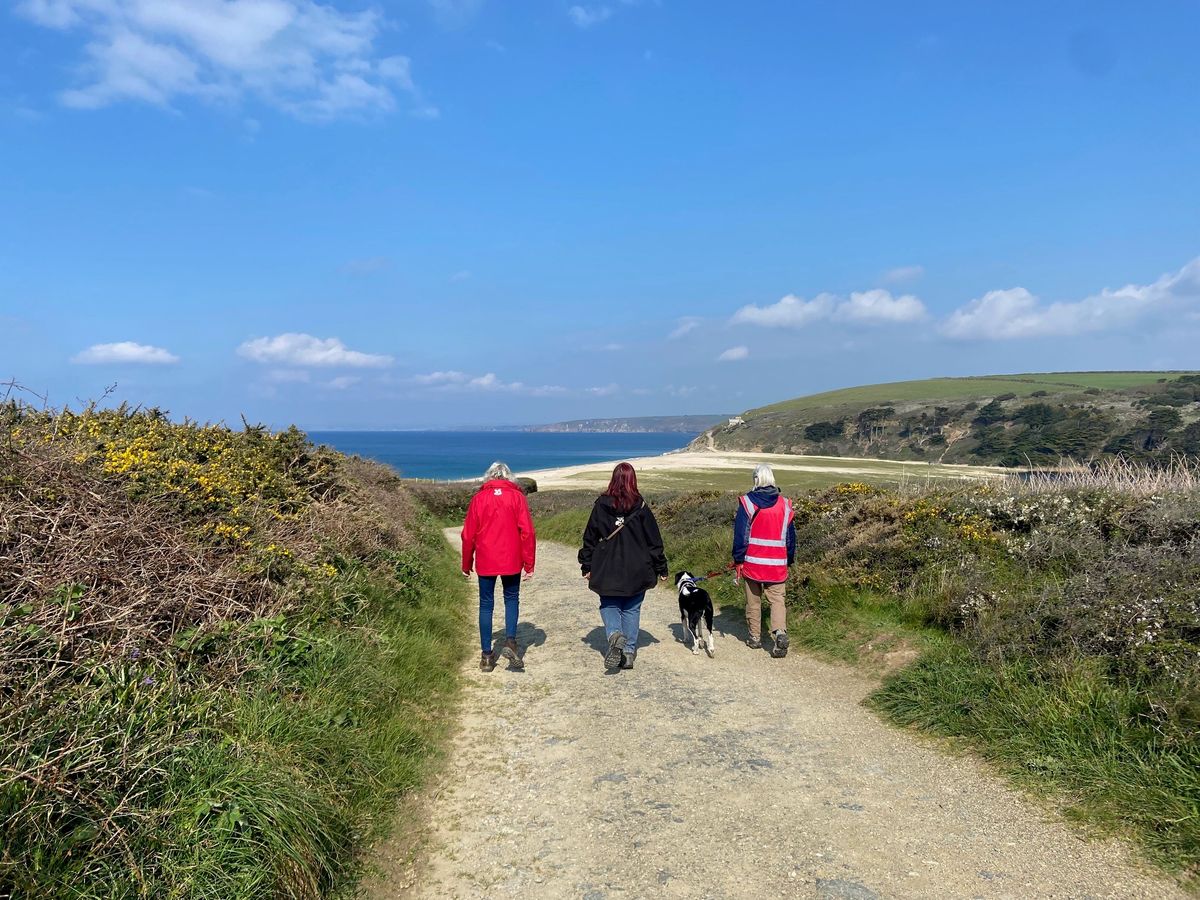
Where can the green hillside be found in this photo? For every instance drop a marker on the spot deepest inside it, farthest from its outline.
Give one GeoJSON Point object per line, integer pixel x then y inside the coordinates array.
{"type": "Point", "coordinates": [995, 419]}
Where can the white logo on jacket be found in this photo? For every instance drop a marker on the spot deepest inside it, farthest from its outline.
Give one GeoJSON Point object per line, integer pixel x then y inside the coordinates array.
{"type": "Point", "coordinates": [497, 491]}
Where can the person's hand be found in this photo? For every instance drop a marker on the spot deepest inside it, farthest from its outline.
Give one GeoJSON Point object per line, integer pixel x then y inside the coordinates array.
{"type": "Point", "coordinates": [526, 576]}
{"type": "Point", "coordinates": [662, 577]}
{"type": "Point", "coordinates": [587, 574]}
{"type": "Point", "coordinates": [466, 573]}
{"type": "Point", "coordinates": [737, 572]}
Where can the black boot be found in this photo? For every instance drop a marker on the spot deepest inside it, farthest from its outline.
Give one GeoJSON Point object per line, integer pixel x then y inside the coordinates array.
{"type": "Point", "coordinates": [627, 659]}
{"type": "Point", "coordinates": [616, 648]}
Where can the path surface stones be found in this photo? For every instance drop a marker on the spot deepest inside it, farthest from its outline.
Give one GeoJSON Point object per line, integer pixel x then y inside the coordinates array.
{"type": "Point", "coordinates": [738, 776]}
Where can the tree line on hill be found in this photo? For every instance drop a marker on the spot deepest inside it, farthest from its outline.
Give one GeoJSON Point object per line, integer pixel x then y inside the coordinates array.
{"type": "Point", "coordinates": [1038, 429]}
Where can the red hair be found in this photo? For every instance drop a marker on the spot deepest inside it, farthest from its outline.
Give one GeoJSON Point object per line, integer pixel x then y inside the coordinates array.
{"type": "Point", "coordinates": [623, 488]}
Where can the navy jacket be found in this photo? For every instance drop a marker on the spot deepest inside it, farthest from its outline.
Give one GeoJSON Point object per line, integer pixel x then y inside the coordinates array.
{"type": "Point", "coordinates": [763, 498]}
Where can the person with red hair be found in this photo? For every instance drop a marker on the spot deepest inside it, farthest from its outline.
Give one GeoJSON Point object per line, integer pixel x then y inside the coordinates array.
{"type": "Point", "coordinates": [621, 557]}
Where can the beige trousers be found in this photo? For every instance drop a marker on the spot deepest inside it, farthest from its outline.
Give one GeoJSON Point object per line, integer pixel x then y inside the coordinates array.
{"type": "Point", "coordinates": [756, 592]}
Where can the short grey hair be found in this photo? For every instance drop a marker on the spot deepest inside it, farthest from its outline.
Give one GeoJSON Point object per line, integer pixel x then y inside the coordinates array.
{"type": "Point", "coordinates": [498, 471]}
{"type": "Point", "coordinates": [764, 476]}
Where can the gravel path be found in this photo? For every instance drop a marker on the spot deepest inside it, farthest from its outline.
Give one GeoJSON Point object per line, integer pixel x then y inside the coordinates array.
{"type": "Point", "coordinates": [739, 776]}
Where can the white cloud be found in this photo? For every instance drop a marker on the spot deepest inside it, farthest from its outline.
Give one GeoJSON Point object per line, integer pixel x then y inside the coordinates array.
{"type": "Point", "coordinates": [863, 307]}
{"type": "Point", "coordinates": [489, 383]}
{"type": "Point", "coordinates": [587, 16]}
{"type": "Point", "coordinates": [903, 274]}
{"type": "Point", "coordinates": [734, 354]}
{"type": "Point", "coordinates": [460, 276]}
{"type": "Point", "coordinates": [1017, 313]}
{"type": "Point", "coordinates": [686, 325]}
{"type": "Point", "coordinates": [442, 378]}
{"type": "Point", "coordinates": [124, 352]}
{"type": "Point", "coordinates": [309, 59]}
{"type": "Point", "coordinates": [880, 306]}
{"type": "Point", "coordinates": [605, 391]}
{"type": "Point", "coordinates": [305, 350]}
{"type": "Point", "coordinates": [613, 348]}
{"type": "Point", "coordinates": [789, 312]}
{"type": "Point", "coordinates": [342, 382]}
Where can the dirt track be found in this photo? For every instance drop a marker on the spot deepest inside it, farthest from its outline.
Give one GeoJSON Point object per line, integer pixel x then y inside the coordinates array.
{"type": "Point", "coordinates": [739, 776]}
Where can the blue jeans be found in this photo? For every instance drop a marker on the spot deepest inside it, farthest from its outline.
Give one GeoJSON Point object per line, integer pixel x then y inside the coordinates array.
{"type": "Point", "coordinates": [622, 614]}
{"type": "Point", "coordinates": [487, 605]}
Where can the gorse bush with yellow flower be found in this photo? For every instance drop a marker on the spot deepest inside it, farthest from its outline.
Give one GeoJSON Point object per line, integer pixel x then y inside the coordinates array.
{"type": "Point", "coordinates": [219, 649]}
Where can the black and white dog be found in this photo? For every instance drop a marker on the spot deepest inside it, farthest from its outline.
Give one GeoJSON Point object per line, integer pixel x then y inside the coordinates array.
{"type": "Point", "coordinates": [696, 613]}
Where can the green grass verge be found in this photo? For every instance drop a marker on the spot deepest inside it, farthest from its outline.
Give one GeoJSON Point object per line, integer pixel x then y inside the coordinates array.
{"type": "Point", "coordinates": [1071, 729]}
{"type": "Point", "coordinates": [270, 788]}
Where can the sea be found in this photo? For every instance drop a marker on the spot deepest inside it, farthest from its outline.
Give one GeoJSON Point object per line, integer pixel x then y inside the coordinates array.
{"type": "Point", "coordinates": [445, 455]}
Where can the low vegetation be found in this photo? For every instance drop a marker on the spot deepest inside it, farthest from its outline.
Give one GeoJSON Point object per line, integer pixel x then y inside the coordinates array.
{"type": "Point", "coordinates": [223, 657]}
{"type": "Point", "coordinates": [1052, 625]}
{"type": "Point", "coordinates": [1017, 420]}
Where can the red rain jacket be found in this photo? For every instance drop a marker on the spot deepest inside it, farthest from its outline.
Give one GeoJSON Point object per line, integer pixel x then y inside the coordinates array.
{"type": "Point", "coordinates": [498, 536]}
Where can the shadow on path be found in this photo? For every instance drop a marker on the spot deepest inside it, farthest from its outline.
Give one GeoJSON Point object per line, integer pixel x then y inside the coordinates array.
{"type": "Point", "coordinates": [598, 640]}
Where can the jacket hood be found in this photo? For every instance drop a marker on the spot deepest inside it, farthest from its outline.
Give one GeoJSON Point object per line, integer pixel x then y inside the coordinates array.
{"type": "Point", "coordinates": [499, 483]}
{"type": "Point", "coordinates": [764, 497]}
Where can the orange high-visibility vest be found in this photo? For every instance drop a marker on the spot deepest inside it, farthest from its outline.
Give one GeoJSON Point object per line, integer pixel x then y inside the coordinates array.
{"type": "Point", "coordinates": [766, 553]}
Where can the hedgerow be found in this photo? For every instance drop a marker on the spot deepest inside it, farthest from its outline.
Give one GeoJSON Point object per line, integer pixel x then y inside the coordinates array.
{"type": "Point", "coordinates": [223, 655]}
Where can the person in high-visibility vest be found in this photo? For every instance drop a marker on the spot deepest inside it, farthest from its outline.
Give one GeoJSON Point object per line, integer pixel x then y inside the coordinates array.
{"type": "Point", "coordinates": [764, 545]}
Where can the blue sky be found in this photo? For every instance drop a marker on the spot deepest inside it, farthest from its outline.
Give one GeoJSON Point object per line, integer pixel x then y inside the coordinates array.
{"type": "Point", "coordinates": [446, 212]}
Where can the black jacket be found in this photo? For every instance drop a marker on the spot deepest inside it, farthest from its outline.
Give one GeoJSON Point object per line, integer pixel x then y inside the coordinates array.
{"type": "Point", "coordinates": [630, 562]}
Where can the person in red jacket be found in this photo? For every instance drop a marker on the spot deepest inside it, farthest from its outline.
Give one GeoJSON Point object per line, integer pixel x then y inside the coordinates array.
{"type": "Point", "coordinates": [498, 541]}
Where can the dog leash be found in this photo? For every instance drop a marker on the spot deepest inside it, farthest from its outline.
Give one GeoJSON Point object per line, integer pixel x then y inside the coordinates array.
{"type": "Point", "coordinates": [718, 572]}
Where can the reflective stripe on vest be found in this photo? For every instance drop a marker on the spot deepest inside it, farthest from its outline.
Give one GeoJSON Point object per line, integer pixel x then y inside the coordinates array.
{"type": "Point", "coordinates": [766, 554]}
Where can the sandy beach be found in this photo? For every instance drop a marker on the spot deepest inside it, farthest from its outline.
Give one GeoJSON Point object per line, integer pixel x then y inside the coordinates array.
{"type": "Point", "coordinates": [718, 467]}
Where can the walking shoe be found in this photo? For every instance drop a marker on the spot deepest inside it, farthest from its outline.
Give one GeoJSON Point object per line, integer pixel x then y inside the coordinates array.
{"type": "Point", "coordinates": [616, 648]}
{"type": "Point", "coordinates": [781, 644]}
{"type": "Point", "coordinates": [754, 643]}
{"type": "Point", "coordinates": [509, 652]}
{"type": "Point", "coordinates": [627, 659]}
{"type": "Point", "coordinates": [487, 662]}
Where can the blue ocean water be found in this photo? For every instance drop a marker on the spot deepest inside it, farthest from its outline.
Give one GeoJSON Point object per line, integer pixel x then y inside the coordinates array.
{"type": "Point", "coordinates": [465, 454]}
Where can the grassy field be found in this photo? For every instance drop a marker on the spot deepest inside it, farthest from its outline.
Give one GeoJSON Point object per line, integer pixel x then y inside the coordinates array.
{"type": "Point", "coordinates": [972, 388]}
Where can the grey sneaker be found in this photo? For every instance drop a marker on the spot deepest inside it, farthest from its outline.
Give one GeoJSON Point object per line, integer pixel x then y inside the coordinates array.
{"type": "Point", "coordinates": [616, 648]}
{"type": "Point", "coordinates": [781, 644]}
{"type": "Point", "coordinates": [509, 651]}
{"type": "Point", "coordinates": [627, 659]}
{"type": "Point", "coordinates": [753, 644]}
